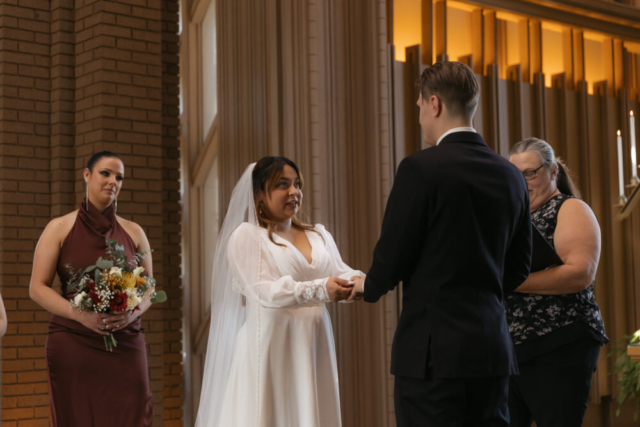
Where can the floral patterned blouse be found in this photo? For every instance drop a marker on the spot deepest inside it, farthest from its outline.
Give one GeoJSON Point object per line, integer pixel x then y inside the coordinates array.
{"type": "Point", "coordinates": [532, 315]}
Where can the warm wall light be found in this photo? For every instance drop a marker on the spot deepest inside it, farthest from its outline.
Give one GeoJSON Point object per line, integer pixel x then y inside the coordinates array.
{"type": "Point", "coordinates": [458, 33]}
{"type": "Point", "coordinates": [407, 25]}
{"type": "Point", "coordinates": [593, 60]}
{"type": "Point", "coordinates": [552, 51]}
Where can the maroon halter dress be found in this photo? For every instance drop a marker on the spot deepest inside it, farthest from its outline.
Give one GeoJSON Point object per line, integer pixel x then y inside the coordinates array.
{"type": "Point", "coordinates": [88, 385]}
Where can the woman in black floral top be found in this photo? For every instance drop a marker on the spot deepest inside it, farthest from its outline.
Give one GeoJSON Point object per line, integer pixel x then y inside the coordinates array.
{"type": "Point", "coordinates": [554, 320]}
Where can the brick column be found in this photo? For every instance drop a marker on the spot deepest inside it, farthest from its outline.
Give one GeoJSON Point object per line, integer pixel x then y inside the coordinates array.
{"type": "Point", "coordinates": [25, 200]}
{"type": "Point", "coordinates": [77, 77]}
{"type": "Point", "coordinates": [171, 216]}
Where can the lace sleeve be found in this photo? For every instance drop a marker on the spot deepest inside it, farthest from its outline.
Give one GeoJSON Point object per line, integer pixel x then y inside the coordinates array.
{"type": "Point", "coordinates": [313, 292]}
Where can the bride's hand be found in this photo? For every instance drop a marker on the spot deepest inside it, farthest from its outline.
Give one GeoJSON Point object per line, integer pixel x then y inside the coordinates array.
{"type": "Point", "coordinates": [339, 289]}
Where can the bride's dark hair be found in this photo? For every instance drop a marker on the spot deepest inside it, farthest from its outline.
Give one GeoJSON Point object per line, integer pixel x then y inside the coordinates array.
{"type": "Point", "coordinates": [265, 177]}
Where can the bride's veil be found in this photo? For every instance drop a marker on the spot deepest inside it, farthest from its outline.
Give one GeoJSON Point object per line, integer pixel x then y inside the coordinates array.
{"type": "Point", "coordinates": [227, 310]}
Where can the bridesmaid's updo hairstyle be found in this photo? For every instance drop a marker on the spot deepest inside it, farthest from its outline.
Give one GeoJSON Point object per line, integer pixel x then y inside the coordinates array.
{"type": "Point", "coordinates": [99, 155]}
{"type": "Point", "coordinates": [547, 155]}
{"type": "Point", "coordinates": [265, 177]}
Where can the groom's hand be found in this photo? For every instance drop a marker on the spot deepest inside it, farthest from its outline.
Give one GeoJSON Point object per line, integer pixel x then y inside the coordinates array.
{"type": "Point", "coordinates": [338, 289]}
{"type": "Point", "coordinates": [358, 288]}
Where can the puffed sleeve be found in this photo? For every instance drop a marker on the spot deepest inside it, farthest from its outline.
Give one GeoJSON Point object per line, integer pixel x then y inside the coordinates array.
{"type": "Point", "coordinates": [256, 277]}
{"type": "Point", "coordinates": [338, 267]}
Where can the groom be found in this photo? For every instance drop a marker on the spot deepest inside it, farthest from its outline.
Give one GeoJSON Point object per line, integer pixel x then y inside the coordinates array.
{"type": "Point", "coordinates": [457, 233]}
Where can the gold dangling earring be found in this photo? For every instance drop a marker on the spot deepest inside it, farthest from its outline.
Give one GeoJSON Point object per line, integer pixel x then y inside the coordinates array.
{"type": "Point", "coordinates": [116, 206]}
{"type": "Point", "coordinates": [260, 210]}
{"type": "Point", "coordinates": [86, 186]}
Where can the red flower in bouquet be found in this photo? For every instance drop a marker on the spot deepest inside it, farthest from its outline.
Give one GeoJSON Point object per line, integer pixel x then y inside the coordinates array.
{"type": "Point", "coordinates": [92, 293]}
{"type": "Point", "coordinates": [118, 302]}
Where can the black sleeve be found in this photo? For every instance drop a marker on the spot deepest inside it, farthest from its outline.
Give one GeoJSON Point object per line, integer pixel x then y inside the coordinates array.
{"type": "Point", "coordinates": [403, 232]}
{"type": "Point", "coordinates": [517, 262]}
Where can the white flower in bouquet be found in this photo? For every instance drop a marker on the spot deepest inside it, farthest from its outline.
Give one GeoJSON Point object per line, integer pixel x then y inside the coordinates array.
{"type": "Point", "coordinates": [137, 271]}
{"type": "Point", "coordinates": [115, 270]}
{"type": "Point", "coordinates": [133, 299]}
{"type": "Point", "coordinates": [78, 299]}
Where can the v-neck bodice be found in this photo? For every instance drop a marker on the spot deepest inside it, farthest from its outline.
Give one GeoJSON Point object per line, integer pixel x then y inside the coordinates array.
{"type": "Point", "coordinates": [295, 249]}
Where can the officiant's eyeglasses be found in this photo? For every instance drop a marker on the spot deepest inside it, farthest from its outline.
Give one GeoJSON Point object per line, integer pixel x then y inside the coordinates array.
{"type": "Point", "coordinates": [529, 175]}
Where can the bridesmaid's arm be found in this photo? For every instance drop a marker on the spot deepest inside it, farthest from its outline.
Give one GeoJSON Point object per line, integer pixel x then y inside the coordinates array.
{"type": "Point", "coordinates": [121, 320]}
{"type": "Point", "coordinates": [3, 319]}
{"type": "Point", "coordinates": [45, 260]}
{"type": "Point", "coordinates": [142, 244]}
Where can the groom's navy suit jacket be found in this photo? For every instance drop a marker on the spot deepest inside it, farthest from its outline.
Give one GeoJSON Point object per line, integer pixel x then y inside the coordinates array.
{"type": "Point", "coordinates": [457, 233]}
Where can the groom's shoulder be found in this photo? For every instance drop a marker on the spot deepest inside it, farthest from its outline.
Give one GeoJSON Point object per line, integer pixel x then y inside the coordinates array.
{"type": "Point", "coordinates": [428, 156]}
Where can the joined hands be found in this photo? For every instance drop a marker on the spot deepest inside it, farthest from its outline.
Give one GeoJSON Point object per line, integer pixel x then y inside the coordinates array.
{"type": "Point", "coordinates": [345, 290]}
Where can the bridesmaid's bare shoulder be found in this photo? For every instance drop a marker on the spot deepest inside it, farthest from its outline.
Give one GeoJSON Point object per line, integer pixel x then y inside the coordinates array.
{"type": "Point", "coordinates": [59, 228]}
{"type": "Point", "coordinates": [134, 230]}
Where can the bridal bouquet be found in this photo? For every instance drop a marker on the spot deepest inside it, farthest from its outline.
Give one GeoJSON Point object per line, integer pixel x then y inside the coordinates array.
{"type": "Point", "coordinates": [112, 285]}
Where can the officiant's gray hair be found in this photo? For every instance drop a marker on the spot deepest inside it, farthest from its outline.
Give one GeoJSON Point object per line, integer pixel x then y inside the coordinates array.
{"type": "Point", "coordinates": [547, 155]}
{"type": "Point", "coordinates": [454, 83]}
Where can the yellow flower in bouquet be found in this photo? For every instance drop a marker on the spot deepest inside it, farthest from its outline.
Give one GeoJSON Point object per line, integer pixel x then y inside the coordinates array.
{"type": "Point", "coordinates": [113, 279]}
{"type": "Point", "coordinates": [128, 281]}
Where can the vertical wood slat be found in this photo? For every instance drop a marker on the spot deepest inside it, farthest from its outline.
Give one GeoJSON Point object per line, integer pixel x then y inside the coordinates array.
{"type": "Point", "coordinates": [477, 40]}
{"type": "Point", "coordinates": [557, 105]}
{"type": "Point", "coordinates": [535, 49]}
{"type": "Point", "coordinates": [613, 64]}
{"type": "Point", "coordinates": [539, 125]}
{"type": "Point", "coordinates": [478, 118]}
{"type": "Point", "coordinates": [427, 46]}
{"type": "Point", "coordinates": [414, 140]}
{"type": "Point", "coordinates": [490, 40]}
{"type": "Point", "coordinates": [516, 112]}
{"type": "Point", "coordinates": [440, 26]}
{"type": "Point", "coordinates": [573, 56]}
{"type": "Point", "coordinates": [501, 48]}
{"type": "Point", "coordinates": [584, 147]}
{"type": "Point", "coordinates": [490, 106]}
{"type": "Point", "coordinates": [524, 43]}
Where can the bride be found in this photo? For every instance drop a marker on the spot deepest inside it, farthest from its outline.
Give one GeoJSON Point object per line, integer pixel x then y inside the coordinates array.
{"type": "Point", "coordinates": [271, 357]}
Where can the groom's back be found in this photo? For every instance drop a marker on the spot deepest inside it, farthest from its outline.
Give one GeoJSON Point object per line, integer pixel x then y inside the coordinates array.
{"type": "Point", "coordinates": [475, 208]}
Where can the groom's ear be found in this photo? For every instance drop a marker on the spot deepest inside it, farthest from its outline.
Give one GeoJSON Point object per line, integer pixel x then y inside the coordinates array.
{"type": "Point", "coordinates": [435, 105]}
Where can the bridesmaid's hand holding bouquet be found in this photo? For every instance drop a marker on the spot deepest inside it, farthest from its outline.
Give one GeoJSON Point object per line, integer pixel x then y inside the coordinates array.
{"type": "Point", "coordinates": [114, 286]}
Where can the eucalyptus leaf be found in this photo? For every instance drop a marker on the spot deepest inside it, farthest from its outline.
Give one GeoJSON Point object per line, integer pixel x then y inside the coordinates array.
{"type": "Point", "coordinates": [104, 264]}
{"type": "Point", "coordinates": [161, 296]}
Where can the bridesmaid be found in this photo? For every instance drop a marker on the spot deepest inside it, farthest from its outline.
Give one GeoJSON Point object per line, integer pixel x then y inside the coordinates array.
{"type": "Point", "coordinates": [89, 386]}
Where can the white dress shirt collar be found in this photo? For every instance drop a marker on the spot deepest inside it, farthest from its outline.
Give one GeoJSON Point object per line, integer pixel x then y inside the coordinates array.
{"type": "Point", "coordinates": [460, 129]}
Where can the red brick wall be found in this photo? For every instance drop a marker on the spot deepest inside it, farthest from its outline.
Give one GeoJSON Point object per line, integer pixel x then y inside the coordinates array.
{"type": "Point", "coordinates": [77, 77]}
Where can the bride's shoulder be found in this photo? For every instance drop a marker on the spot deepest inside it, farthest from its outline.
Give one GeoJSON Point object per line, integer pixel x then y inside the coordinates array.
{"type": "Point", "coordinates": [319, 227]}
{"type": "Point", "coordinates": [246, 230]}
{"type": "Point", "coordinates": [322, 230]}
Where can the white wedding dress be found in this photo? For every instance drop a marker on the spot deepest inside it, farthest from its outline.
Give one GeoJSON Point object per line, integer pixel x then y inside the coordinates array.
{"type": "Point", "coordinates": [283, 372]}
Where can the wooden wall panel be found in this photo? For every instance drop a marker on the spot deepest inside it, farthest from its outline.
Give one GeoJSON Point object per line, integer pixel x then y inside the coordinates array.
{"type": "Point", "coordinates": [596, 201]}
{"type": "Point", "coordinates": [503, 142]}
{"type": "Point", "coordinates": [551, 119]}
